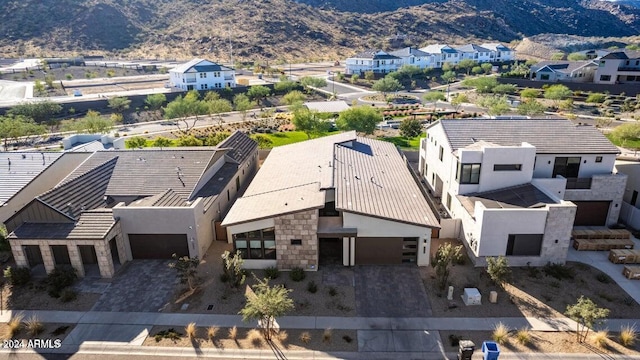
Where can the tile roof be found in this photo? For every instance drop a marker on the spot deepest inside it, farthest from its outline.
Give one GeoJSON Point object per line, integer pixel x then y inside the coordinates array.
{"type": "Point", "coordinates": [521, 196]}
{"type": "Point", "coordinates": [549, 136]}
{"type": "Point", "coordinates": [374, 54]}
{"type": "Point", "coordinates": [327, 106]}
{"type": "Point", "coordinates": [240, 146]}
{"type": "Point", "coordinates": [293, 178]}
{"type": "Point", "coordinates": [94, 224]}
{"type": "Point", "coordinates": [209, 66]}
{"type": "Point", "coordinates": [211, 190]}
{"type": "Point", "coordinates": [372, 178]}
{"type": "Point", "coordinates": [18, 169]}
{"type": "Point", "coordinates": [408, 51]}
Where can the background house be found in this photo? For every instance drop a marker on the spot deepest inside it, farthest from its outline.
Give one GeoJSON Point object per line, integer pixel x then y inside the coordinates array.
{"type": "Point", "coordinates": [618, 67]}
{"type": "Point", "coordinates": [552, 71]}
{"type": "Point", "coordinates": [377, 61]}
{"type": "Point", "coordinates": [518, 187]}
{"type": "Point", "coordinates": [339, 199]}
{"type": "Point", "coordinates": [123, 205]}
{"type": "Point", "coordinates": [630, 211]}
{"type": "Point", "coordinates": [199, 74]}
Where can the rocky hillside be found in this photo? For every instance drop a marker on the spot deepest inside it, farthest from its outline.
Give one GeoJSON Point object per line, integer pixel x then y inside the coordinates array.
{"type": "Point", "coordinates": [269, 30]}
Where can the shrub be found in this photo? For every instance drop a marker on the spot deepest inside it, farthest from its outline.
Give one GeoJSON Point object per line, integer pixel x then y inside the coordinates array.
{"type": "Point", "coordinates": [326, 335]}
{"type": "Point", "coordinates": [15, 324]}
{"type": "Point", "coordinates": [500, 333]}
{"type": "Point", "coordinates": [283, 335]}
{"type": "Point", "coordinates": [170, 334]}
{"type": "Point", "coordinates": [333, 291]}
{"type": "Point", "coordinates": [255, 337]}
{"type": "Point", "coordinates": [60, 278]}
{"type": "Point", "coordinates": [498, 270]}
{"type": "Point", "coordinates": [17, 276]}
{"type": "Point", "coordinates": [558, 271]}
{"type": "Point", "coordinates": [348, 339]}
{"type": "Point", "coordinates": [600, 338]}
{"type": "Point", "coordinates": [190, 330]}
{"type": "Point", "coordinates": [233, 333]}
{"type": "Point", "coordinates": [524, 336]}
{"type": "Point", "coordinates": [305, 337]}
{"type": "Point", "coordinates": [272, 273]}
{"type": "Point", "coordinates": [628, 335]}
{"type": "Point", "coordinates": [34, 326]}
{"type": "Point", "coordinates": [297, 274]}
{"type": "Point", "coordinates": [312, 287]}
{"type": "Point", "coordinates": [212, 331]}
{"type": "Point", "coordinates": [68, 294]}
{"type": "Point", "coordinates": [603, 278]}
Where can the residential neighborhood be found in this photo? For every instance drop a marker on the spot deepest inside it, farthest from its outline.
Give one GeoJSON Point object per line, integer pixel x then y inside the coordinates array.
{"type": "Point", "coordinates": [424, 207]}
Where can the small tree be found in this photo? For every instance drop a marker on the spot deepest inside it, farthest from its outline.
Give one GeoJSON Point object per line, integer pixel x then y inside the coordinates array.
{"type": "Point", "coordinates": [284, 85]}
{"type": "Point", "coordinates": [386, 84]}
{"type": "Point", "coordinates": [477, 70]}
{"type": "Point", "coordinates": [92, 123]}
{"type": "Point", "coordinates": [458, 100]}
{"type": "Point", "coordinates": [625, 132]}
{"type": "Point", "coordinates": [161, 142]}
{"type": "Point", "coordinates": [531, 107]}
{"type": "Point", "coordinates": [442, 260]}
{"type": "Point", "coordinates": [586, 314]}
{"type": "Point", "coordinates": [576, 57]}
{"type": "Point", "coordinates": [529, 93]}
{"type": "Point", "coordinates": [448, 76]}
{"type": "Point", "coordinates": [369, 75]}
{"type": "Point", "coordinates": [354, 78]}
{"type": "Point", "coordinates": [483, 84]}
{"type": "Point", "coordinates": [293, 97]}
{"type": "Point", "coordinates": [498, 270]}
{"type": "Point", "coordinates": [257, 93]}
{"type": "Point", "coordinates": [233, 268]}
{"type": "Point", "coordinates": [466, 65]}
{"type": "Point", "coordinates": [266, 304]}
{"type": "Point", "coordinates": [308, 121]}
{"type": "Point", "coordinates": [155, 101]}
{"type": "Point", "coordinates": [216, 138]}
{"type": "Point", "coordinates": [486, 67]}
{"type": "Point", "coordinates": [505, 89]}
{"type": "Point", "coordinates": [362, 119]}
{"type": "Point", "coordinates": [596, 98]}
{"type": "Point", "coordinates": [242, 103]}
{"type": "Point", "coordinates": [557, 92]}
{"type": "Point", "coordinates": [119, 104]}
{"type": "Point", "coordinates": [496, 105]}
{"type": "Point", "coordinates": [136, 142]}
{"type": "Point", "coordinates": [186, 269]}
{"type": "Point", "coordinates": [309, 82]}
{"type": "Point", "coordinates": [410, 128]}
{"type": "Point", "coordinates": [434, 97]}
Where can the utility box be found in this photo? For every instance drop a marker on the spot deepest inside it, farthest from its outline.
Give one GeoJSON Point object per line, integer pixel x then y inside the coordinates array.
{"type": "Point", "coordinates": [466, 349]}
{"type": "Point", "coordinates": [471, 296]}
{"type": "Point", "coordinates": [491, 350]}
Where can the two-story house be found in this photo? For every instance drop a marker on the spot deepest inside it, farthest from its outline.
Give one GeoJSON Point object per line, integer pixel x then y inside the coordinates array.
{"type": "Point", "coordinates": [474, 52]}
{"type": "Point", "coordinates": [413, 56]}
{"type": "Point", "coordinates": [575, 71]}
{"type": "Point", "coordinates": [518, 187]}
{"type": "Point", "coordinates": [443, 53]}
{"type": "Point", "coordinates": [377, 61]}
{"type": "Point", "coordinates": [499, 52]}
{"type": "Point", "coordinates": [199, 74]}
{"type": "Point", "coordinates": [619, 67]}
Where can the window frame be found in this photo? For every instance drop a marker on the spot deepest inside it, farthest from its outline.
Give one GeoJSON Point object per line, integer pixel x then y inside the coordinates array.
{"type": "Point", "coordinates": [463, 179]}
{"type": "Point", "coordinates": [507, 167]}
{"type": "Point", "coordinates": [266, 240]}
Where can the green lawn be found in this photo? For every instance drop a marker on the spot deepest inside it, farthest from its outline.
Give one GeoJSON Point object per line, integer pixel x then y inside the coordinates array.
{"type": "Point", "coordinates": [289, 137]}
{"type": "Point", "coordinates": [403, 142]}
{"type": "Point", "coordinates": [628, 144]}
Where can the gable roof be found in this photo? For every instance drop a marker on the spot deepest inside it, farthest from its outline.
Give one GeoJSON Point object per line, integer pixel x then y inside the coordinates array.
{"type": "Point", "coordinates": [438, 49]}
{"type": "Point", "coordinates": [94, 224]}
{"type": "Point", "coordinates": [239, 146]}
{"type": "Point", "coordinates": [370, 177]}
{"type": "Point", "coordinates": [408, 51]}
{"type": "Point", "coordinates": [18, 169]}
{"type": "Point", "coordinates": [495, 47]}
{"type": "Point", "coordinates": [561, 66]}
{"type": "Point", "coordinates": [199, 65]}
{"type": "Point", "coordinates": [549, 136]}
{"type": "Point", "coordinates": [374, 55]}
{"type": "Point", "coordinates": [472, 48]}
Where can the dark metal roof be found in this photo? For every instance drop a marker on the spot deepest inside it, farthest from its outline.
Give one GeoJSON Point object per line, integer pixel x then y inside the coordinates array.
{"type": "Point", "coordinates": [549, 136]}
{"type": "Point", "coordinates": [84, 192]}
{"type": "Point", "coordinates": [18, 169]}
{"type": "Point", "coordinates": [217, 183]}
{"type": "Point", "coordinates": [521, 196]}
{"type": "Point", "coordinates": [371, 178]}
{"type": "Point", "coordinates": [94, 224]}
{"type": "Point", "coordinates": [620, 55]}
{"type": "Point", "coordinates": [240, 146]}
{"type": "Point", "coordinates": [561, 66]}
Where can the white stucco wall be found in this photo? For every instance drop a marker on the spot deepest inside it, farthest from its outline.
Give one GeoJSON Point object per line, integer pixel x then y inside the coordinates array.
{"type": "Point", "coordinates": [497, 224]}
{"type": "Point", "coordinates": [588, 164]}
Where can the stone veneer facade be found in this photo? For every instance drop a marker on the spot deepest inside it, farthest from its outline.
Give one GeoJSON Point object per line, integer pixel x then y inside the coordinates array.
{"type": "Point", "coordinates": [304, 226]}
{"type": "Point", "coordinates": [603, 188]}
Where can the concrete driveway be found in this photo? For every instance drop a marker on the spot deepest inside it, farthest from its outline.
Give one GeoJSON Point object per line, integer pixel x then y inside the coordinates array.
{"type": "Point", "coordinates": [390, 291]}
{"type": "Point", "coordinates": [143, 286]}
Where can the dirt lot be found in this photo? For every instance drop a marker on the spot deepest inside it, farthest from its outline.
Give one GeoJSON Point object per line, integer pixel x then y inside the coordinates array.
{"type": "Point", "coordinates": [545, 342]}
{"type": "Point", "coordinates": [226, 300]}
{"type": "Point", "coordinates": [34, 296]}
{"type": "Point", "coordinates": [532, 292]}
{"type": "Point", "coordinates": [339, 340]}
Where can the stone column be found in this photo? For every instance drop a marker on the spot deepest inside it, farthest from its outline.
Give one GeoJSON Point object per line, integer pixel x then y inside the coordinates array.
{"type": "Point", "coordinates": [104, 260]}
{"type": "Point", "coordinates": [47, 257]}
{"type": "Point", "coordinates": [18, 254]}
{"type": "Point", "coordinates": [76, 259]}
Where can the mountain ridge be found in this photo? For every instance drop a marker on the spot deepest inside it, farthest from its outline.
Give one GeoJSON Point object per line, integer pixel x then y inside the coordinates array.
{"type": "Point", "coordinates": [261, 30]}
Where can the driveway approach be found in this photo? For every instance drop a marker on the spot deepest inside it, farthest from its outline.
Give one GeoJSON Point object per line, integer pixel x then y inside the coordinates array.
{"type": "Point", "coordinates": [390, 291]}
{"type": "Point", "coordinates": [143, 286]}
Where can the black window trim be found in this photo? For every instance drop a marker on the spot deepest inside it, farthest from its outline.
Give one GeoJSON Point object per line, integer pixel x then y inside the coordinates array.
{"type": "Point", "coordinates": [507, 167]}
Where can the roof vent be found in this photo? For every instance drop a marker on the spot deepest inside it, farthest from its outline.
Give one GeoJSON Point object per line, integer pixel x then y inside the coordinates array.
{"type": "Point", "coordinates": [357, 177]}
{"type": "Point", "coordinates": [24, 156]}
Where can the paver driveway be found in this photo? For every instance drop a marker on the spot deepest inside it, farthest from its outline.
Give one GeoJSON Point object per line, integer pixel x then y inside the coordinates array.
{"type": "Point", "coordinates": [143, 286]}
{"type": "Point", "coordinates": [390, 291]}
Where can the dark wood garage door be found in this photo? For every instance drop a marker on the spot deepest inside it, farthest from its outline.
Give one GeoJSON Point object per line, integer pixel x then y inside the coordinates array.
{"type": "Point", "coordinates": [378, 251]}
{"type": "Point", "coordinates": [158, 246]}
{"type": "Point", "coordinates": [591, 213]}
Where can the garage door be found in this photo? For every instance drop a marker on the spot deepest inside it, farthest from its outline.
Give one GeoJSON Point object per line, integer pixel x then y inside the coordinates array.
{"type": "Point", "coordinates": [591, 213]}
{"type": "Point", "coordinates": [158, 246]}
{"type": "Point", "coordinates": [378, 251]}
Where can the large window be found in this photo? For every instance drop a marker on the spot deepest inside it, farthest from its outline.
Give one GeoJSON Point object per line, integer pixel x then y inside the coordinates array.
{"type": "Point", "coordinates": [468, 174]}
{"type": "Point", "coordinates": [605, 77]}
{"type": "Point", "coordinates": [524, 244]}
{"type": "Point", "coordinates": [257, 244]}
{"type": "Point", "coordinates": [568, 167]}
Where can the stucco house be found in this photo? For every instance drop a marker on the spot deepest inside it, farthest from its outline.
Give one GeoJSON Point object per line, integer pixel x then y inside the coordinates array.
{"type": "Point", "coordinates": [499, 52]}
{"type": "Point", "coordinates": [618, 67]}
{"type": "Point", "coordinates": [630, 212]}
{"type": "Point", "coordinates": [415, 57]}
{"type": "Point", "coordinates": [475, 52]}
{"type": "Point", "coordinates": [340, 199]}
{"type": "Point", "coordinates": [552, 71]}
{"type": "Point", "coordinates": [518, 187]}
{"type": "Point", "coordinates": [443, 54]}
{"type": "Point", "coordinates": [377, 61]}
{"type": "Point", "coordinates": [121, 205]}
{"type": "Point", "coordinates": [200, 74]}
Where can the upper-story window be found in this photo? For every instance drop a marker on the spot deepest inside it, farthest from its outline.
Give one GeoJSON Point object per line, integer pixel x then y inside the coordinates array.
{"type": "Point", "coordinates": [441, 153]}
{"type": "Point", "coordinates": [507, 167]}
{"type": "Point", "coordinates": [216, 74]}
{"type": "Point", "coordinates": [568, 167]}
{"type": "Point", "coordinates": [598, 159]}
{"type": "Point", "coordinates": [468, 173]}
{"type": "Point", "coordinates": [203, 75]}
